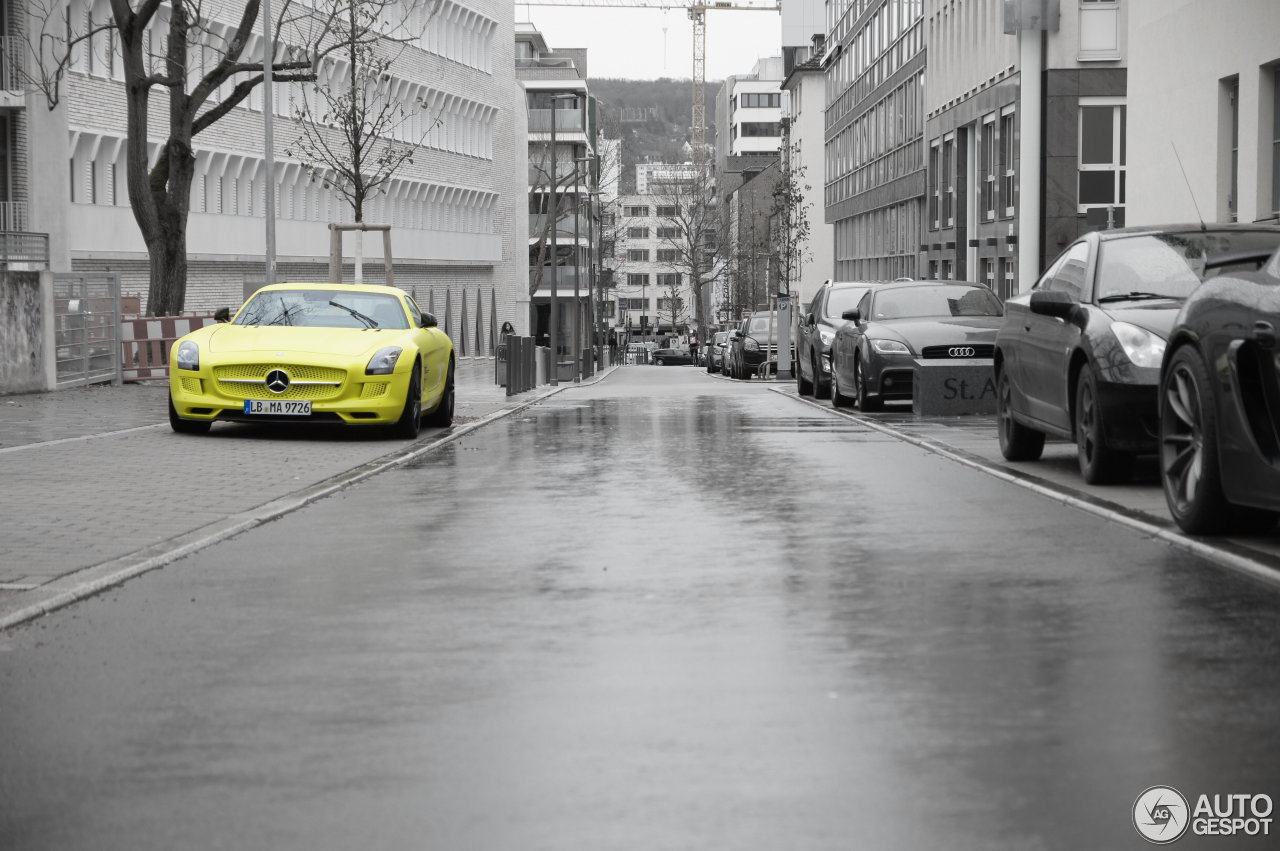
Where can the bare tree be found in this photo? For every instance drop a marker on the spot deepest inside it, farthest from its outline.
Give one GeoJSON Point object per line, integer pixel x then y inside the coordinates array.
{"type": "Point", "coordinates": [203, 68]}
{"type": "Point", "coordinates": [789, 226]}
{"type": "Point", "coordinates": [689, 224]}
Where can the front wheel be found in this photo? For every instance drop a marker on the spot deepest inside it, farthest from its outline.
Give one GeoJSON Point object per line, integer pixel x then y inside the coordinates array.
{"type": "Point", "coordinates": [182, 426]}
{"type": "Point", "coordinates": [442, 416]}
{"type": "Point", "coordinates": [866, 402]}
{"type": "Point", "coordinates": [821, 389]}
{"type": "Point", "coordinates": [410, 422]}
{"type": "Point", "coordinates": [1189, 467]}
{"type": "Point", "coordinates": [1017, 442]}
{"type": "Point", "coordinates": [1099, 464]}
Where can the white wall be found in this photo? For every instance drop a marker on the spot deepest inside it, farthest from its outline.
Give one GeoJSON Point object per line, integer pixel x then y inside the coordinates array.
{"type": "Point", "coordinates": [1180, 52]}
{"type": "Point", "coordinates": [808, 99]}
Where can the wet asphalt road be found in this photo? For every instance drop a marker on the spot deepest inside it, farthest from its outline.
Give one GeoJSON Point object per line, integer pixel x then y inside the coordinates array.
{"type": "Point", "coordinates": [665, 612]}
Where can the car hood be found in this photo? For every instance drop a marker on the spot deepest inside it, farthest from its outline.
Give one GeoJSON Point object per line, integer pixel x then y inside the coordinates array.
{"type": "Point", "coordinates": [937, 330]}
{"type": "Point", "coordinates": [239, 339]}
{"type": "Point", "coordinates": [1155, 316]}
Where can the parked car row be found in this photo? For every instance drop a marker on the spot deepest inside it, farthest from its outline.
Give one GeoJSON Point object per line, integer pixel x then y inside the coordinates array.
{"type": "Point", "coordinates": [1145, 340]}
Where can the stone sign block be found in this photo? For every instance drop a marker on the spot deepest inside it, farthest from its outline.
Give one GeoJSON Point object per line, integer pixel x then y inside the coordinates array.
{"type": "Point", "coordinates": [943, 387]}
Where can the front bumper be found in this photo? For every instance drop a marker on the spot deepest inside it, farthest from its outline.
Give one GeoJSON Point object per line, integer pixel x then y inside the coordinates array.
{"type": "Point", "coordinates": [338, 391]}
{"type": "Point", "coordinates": [1130, 416]}
{"type": "Point", "coordinates": [890, 376]}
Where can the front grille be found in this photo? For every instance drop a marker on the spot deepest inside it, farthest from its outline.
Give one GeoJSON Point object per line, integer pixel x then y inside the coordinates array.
{"type": "Point", "coordinates": [980, 350]}
{"type": "Point", "coordinates": [248, 381]}
{"type": "Point", "coordinates": [373, 389]}
{"type": "Point", "coordinates": [192, 385]}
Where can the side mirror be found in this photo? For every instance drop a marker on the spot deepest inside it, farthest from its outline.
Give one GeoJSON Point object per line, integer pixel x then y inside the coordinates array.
{"type": "Point", "coordinates": [222, 314]}
{"type": "Point", "coordinates": [429, 320]}
{"type": "Point", "coordinates": [1052, 303]}
{"type": "Point", "coordinates": [851, 315]}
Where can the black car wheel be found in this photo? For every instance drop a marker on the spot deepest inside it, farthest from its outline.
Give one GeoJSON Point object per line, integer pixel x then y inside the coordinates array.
{"type": "Point", "coordinates": [182, 426]}
{"type": "Point", "coordinates": [442, 416]}
{"type": "Point", "coordinates": [660, 362]}
{"type": "Point", "coordinates": [803, 385]}
{"type": "Point", "coordinates": [838, 399]}
{"type": "Point", "coordinates": [821, 389]}
{"type": "Point", "coordinates": [866, 402]}
{"type": "Point", "coordinates": [1099, 464]}
{"type": "Point", "coordinates": [410, 422]}
{"type": "Point", "coordinates": [1017, 442]}
{"type": "Point", "coordinates": [1189, 446]}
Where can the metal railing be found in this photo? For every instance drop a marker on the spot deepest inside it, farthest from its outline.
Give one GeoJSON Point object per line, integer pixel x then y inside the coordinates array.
{"type": "Point", "coordinates": [567, 120]}
{"type": "Point", "coordinates": [13, 64]}
{"type": "Point", "coordinates": [27, 248]}
{"type": "Point", "coordinates": [13, 216]}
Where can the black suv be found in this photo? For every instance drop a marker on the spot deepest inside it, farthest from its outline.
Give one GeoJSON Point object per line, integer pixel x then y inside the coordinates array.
{"type": "Point", "coordinates": [817, 330]}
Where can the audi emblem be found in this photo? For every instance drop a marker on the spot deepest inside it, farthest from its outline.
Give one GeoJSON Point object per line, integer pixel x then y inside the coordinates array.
{"type": "Point", "coordinates": [277, 381]}
{"type": "Point", "coordinates": [961, 352]}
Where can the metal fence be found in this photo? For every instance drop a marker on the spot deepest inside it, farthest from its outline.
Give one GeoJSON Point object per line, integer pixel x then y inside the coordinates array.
{"type": "Point", "coordinates": [87, 329]}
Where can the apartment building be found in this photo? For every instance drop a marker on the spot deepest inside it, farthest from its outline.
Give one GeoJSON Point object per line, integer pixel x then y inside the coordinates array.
{"type": "Point", "coordinates": [749, 112]}
{"type": "Point", "coordinates": [804, 103]}
{"type": "Point", "coordinates": [653, 294]}
{"type": "Point", "coordinates": [561, 172]}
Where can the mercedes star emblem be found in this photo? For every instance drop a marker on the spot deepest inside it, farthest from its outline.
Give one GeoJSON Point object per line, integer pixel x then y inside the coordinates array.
{"type": "Point", "coordinates": [277, 381]}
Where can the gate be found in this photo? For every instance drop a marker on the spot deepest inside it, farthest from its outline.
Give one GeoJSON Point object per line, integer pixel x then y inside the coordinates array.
{"type": "Point", "coordinates": [87, 329]}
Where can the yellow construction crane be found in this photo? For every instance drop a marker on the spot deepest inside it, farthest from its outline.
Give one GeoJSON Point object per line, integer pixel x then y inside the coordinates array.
{"type": "Point", "coordinates": [697, 14]}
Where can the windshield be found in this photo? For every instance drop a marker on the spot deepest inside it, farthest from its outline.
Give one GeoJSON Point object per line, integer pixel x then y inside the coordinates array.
{"type": "Point", "coordinates": [759, 325]}
{"type": "Point", "coordinates": [1169, 264]}
{"type": "Point", "coordinates": [942, 300]}
{"type": "Point", "coordinates": [324, 309]}
{"type": "Point", "coordinates": [844, 299]}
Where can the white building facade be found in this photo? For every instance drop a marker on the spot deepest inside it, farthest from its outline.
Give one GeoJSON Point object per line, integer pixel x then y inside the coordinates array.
{"type": "Point", "coordinates": [804, 102]}
{"type": "Point", "coordinates": [452, 209]}
{"type": "Point", "coordinates": [749, 112]}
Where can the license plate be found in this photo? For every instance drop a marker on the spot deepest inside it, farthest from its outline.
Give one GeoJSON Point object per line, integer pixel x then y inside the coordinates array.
{"type": "Point", "coordinates": [278, 407]}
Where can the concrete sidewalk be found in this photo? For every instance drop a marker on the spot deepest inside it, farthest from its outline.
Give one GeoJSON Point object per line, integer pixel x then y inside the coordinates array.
{"type": "Point", "coordinates": [97, 488]}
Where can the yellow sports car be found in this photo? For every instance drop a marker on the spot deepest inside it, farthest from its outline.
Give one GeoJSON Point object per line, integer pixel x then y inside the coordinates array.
{"type": "Point", "coordinates": [316, 353]}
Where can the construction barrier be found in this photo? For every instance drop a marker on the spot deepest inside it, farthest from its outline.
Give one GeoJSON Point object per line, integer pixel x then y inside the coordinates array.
{"type": "Point", "coordinates": [145, 343]}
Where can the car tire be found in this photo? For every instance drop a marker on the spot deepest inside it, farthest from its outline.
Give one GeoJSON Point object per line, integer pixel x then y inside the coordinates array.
{"type": "Point", "coordinates": [1189, 466]}
{"type": "Point", "coordinates": [442, 416]}
{"type": "Point", "coordinates": [838, 399]}
{"type": "Point", "coordinates": [1099, 464]}
{"type": "Point", "coordinates": [182, 426]}
{"type": "Point", "coordinates": [803, 385]}
{"type": "Point", "coordinates": [660, 362]}
{"type": "Point", "coordinates": [821, 389]}
{"type": "Point", "coordinates": [1017, 442]}
{"type": "Point", "coordinates": [410, 422]}
{"type": "Point", "coordinates": [866, 402]}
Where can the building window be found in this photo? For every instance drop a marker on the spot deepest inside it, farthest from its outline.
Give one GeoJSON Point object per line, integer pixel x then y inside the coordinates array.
{"type": "Point", "coordinates": [1099, 30]}
{"type": "Point", "coordinates": [637, 233]}
{"type": "Point", "coordinates": [669, 279]}
{"type": "Point", "coordinates": [668, 233]}
{"type": "Point", "coordinates": [1102, 156]}
{"type": "Point", "coordinates": [947, 185]}
{"type": "Point", "coordinates": [1275, 142]}
{"type": "Point", "coordinates": [1232, 91]}
{"type": "Point", "coordinates": [638, 255]}
{"type": "Point", "coordinates": [987, 169]}
{"type": "Point", "coordinates": [633, 304]}
{"type": "Point", "coordinates": [935, 199]}
{"type": "Point", "coordinates": [635, 212]}
{"type": "Point", "coordinates": [760, 100]}
{"type": "Point", "coordinates": [635, 279]}
{"type": "Point", "coordinates": [668, 210]}
{"type": "Point", "coordinates": [756, 129]}
{"type": "Point", "coordinates": [666, 255]}
{"type": "Point", "coordinates": [1008, 163]}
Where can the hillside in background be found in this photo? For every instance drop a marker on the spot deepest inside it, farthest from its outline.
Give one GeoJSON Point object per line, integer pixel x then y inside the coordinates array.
{"type": "Point", "coordinates": [652, 119]}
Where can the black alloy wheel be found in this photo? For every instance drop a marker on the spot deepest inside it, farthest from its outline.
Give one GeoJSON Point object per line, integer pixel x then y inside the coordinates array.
{"type": "Point", "coordinates": [866, 402]}
{"type": "Point", "coordinates": [821, 389]}
{"type": "Point", "coordinates": [1189, 467]}
{"type": "Point", "coordinates": [1017, 442]}
{"type": "Point", "coordinates": [442, 416]}
{"type": "Point", "coordinates": [838, 399]}
{"type": "Point", "coordinates": [1099, 464]}
{"type": "Point", "coordinates": [803, 385]}
{"type": "Point", "coordinates": [660, 362]}
{"type": "Point", "coordinates": [410, 422]}
{"type": "Point", "coordinates": [182, 426]}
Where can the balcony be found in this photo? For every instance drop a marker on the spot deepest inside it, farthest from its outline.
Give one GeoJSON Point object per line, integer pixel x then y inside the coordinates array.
{"type": "Point", "coordinates": [13, 216]}
{"type": "Point", "coordinates": [564, 227]}
{"type": "Point", "coordinates": [565, 278]}
{"type": "Point", "coordinates": [13, 72]}
{"type": "Point", "coordinates": [24, 252]}
{"type": "Point", "coordinates": [540, 175]}
{"type": "Point", "coordinates": [567, 120]}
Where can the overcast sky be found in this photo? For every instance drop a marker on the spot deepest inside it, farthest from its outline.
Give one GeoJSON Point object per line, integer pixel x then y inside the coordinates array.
{"type": "Point", "coordinates": [632, 43]}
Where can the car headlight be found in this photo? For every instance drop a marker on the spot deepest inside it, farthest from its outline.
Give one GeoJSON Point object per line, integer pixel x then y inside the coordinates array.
{"type": "Point", "coordinates": [890, 347]}
{"type": "Point", "coordinates": [188, 355]}
{"type": "Point", "coordinates": [826, 335]}
{"type": "Point", "coordinates": [1141, 346]}
{"type": "Point", "coordinates": [383, 361]}
{"type": "Point", "coordinates": [751, 345]}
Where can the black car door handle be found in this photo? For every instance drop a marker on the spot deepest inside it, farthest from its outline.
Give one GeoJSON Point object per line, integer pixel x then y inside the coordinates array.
{"type": "Point", "coordinates": [1264, 334]}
